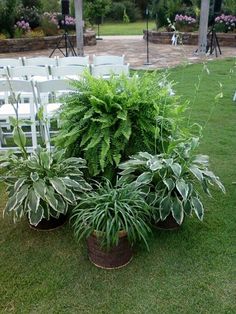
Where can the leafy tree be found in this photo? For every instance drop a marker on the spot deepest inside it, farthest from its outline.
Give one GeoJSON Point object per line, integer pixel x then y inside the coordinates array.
{"type": "Point", "coordinates": [95, 10]}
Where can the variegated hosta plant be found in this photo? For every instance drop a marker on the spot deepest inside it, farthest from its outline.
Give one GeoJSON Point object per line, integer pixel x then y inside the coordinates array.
{"type": "Point", "coordinates": [42, 185]}
{"type": "Point", "coordinates": [173, 179]}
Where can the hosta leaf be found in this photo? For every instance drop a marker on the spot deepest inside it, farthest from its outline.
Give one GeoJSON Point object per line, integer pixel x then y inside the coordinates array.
{"type": "Point", "coordinates": [144, 178]}
{"type": "Point", "coordinates": [34, 176]}
{"type": "Point", "coordinates": [155, 165]}
{"type": "Point", "coordinates": [70, 196]}
{"type": "Point", "coordinates": [22, 193]}
{"type": "Point", "coordinates": [169, 183]}
{"type": "Point", "coordinates": [71, 183]}
{"type": "Point", "coordinates": [178, 211]}
{"type": "Point", "coordinates": [19, 183]}
{"type": "Point", "coordinates": [182, 188]}
{"type": "Point", "coordinates": [197, 207]}
{"type": "Point", "coordinates": [50, 197]}
{"type": "Point", "coordinates": [196, 172]}
{"type": "Point", "coordinates": [11, 203]}
{"type": "Point", "coordinates": [188, 207]}
{"type": "Point", "coordinates": [165, 207]}
{"type": "Point", "coordinates": [61, 205]}
{"type": "Point", "coordinates": [36, 217]}
{"type": "Point", "coordinates": [176, 168]}
{"type": "Point", "coordinates": [19, 136]}
{"type": "Point", "coordinates": [40, 188]}
{"type": "Point", "coordinates": [58, 185]}
{"type": "Point", "coordinates": [45, 159]}
{"type": "Point", "coordinates": [33, 200]}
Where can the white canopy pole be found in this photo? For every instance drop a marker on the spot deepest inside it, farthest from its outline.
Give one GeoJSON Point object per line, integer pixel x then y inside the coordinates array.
{"type": "Point", "coordinates": [202, 38]}
{"type": "Point", "coordinates": [79, 27]}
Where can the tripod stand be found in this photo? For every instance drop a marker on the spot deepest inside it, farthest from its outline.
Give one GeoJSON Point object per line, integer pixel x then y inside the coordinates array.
{"type": "Point", "coordinates": [68, 45]}
{"type": "Point", "coordinates": [214, 42]}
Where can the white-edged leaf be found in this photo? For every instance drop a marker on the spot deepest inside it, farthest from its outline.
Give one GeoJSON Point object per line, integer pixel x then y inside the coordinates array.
{"type": "Point", "coordinates": [40, 188]}
{"type": "Point", "coordinates": [22, 193]}
{"type": "Point", "coordinates": [33, 200]}
{"type": "Point", "coordinates": [176, 168]}
{"type": "Point", "coordinates": [36, 217]}
{"type": "Point", "coordinates": [197, 207]}
{"type": "Point", "coordinates": [196, 172]}
{"type": "Point", "coordinates": [182, 188]}
{"type": "Point", "coordinates": [169, 183]}
{"type": "Point", "coordinates": [58, 185]}
{"type": "Point", "coordinates": [19, 183]}
{"type": "Point", "coordinates": [34, 176]}
{"type": "Point", "coordinates": [178, 211]}
{"type": "Point", "coordinates": [165, 207]}
{"type": "Point", "coordinates": [50, 197]}
{"type": "Point", "coordinates": [144, 178]}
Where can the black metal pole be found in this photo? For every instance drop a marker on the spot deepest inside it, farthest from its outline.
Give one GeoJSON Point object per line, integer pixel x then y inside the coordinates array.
{"type": "Point", "coordinates": [147, 37]}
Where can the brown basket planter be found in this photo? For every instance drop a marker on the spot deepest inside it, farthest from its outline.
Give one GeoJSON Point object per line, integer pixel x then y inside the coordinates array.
{"type": "Point", "coordinates": [51, 224]}
{"type": "Point", "coordinates": [117, 257]}
{"type": "Point", "coordinates": [168, 224]}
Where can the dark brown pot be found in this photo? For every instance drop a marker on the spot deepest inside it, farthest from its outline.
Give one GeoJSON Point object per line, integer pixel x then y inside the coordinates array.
{"type": "Point", "coordinates": [168, 224]}
{"type": "Point", "coordinates": [117, 257]}
{"type": "Point", "coordinates": [51, 224]}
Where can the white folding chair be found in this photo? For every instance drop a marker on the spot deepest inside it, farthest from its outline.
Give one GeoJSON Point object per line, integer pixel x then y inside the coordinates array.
{"type": "Point", "coordinates": [26, 111]}
{"type": "Point", "coordinates": [40, 61]}
{"type": "Point", "coordinates": [108, 59]}
{"type": "Point", "coordinates": [48, 99]}
{"type": "Point", "coordinates": [77, 60]}
{"type": "Point", "coordinates": [74, 72]}
{"type": "Point", "coordinates": [28, 72]}
{"type": "Point", "coordinates": [105, 71]}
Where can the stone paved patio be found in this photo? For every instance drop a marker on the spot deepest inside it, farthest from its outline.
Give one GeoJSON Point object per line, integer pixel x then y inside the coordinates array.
{"type": "Point", "coordinates": [134, 49]}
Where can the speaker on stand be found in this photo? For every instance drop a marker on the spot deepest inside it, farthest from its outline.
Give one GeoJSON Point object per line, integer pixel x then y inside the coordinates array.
{"type": "Point", "coordinates": [68, 45]}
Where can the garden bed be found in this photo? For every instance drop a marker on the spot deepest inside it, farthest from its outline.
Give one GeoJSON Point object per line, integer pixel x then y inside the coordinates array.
{"type": "Point", "coordinates": [225, 39]}
{"type": "Point", "coordinates": [38, 43]}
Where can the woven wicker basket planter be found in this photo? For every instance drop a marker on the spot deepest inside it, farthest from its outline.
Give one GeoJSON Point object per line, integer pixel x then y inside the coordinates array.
{"type": "Point", "coordinates": [117, 257]}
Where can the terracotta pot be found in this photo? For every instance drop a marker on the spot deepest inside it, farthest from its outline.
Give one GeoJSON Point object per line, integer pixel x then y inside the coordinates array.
{"type": "Point", "coordinates": [51, 224]}
{"type": "Point", "coordinates": [168, 224]}
{"type": "Point", "coordinates": [116, 257]}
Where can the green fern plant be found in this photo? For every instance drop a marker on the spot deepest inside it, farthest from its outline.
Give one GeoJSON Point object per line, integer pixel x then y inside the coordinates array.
{"type": "Point", "coordinates": [108, 120]}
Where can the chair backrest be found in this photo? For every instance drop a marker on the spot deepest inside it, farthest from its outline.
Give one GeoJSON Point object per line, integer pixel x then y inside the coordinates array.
{"type": "Point", "coordinates": [56, 85]}
{"type": "Point", "coordinates": [26, 111]}
{"type": "Point", "coordinates": [108, 70]}
{"type": "Point", "coordinates": [27, 72]}
{"type": "Point", "coordinates": [108, 59]}
{"type": "Point", "coordinates": [10, 62]}
{"type": "Point", "coordinates": [68, 71]}
{"type": "Point", "coordinates": [40, 61]}
{"type": "Point", "coordinates": [77, 60]}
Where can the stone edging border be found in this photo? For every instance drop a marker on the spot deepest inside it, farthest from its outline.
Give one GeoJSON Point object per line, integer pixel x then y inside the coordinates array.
{"type": "Point", "coordinates": [225, 39]}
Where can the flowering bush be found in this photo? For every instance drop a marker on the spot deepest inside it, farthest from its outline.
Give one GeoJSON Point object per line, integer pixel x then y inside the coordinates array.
{"type": "Point", "coordinates": [225, 23]}
{"type": "Point", "coordinates": [49, 23]}
{"type": "Point", "coordinates": [185, 20]}
{"type": "Point", "coordinates": [21, 28]}
{"type": "Point", "coordinates": [69, 21]}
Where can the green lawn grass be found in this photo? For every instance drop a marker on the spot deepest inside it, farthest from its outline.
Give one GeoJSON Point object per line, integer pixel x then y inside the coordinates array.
{"type": "Point", "coordinates": [135, 28]}
{"type": "Point", "coordinates": [188, 271]}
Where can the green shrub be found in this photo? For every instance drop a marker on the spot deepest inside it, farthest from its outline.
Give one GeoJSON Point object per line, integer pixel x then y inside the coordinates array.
{"type": "Point", "coordinates": [108, 120]}
{"type": "Point", "coordinates": [117, 11]}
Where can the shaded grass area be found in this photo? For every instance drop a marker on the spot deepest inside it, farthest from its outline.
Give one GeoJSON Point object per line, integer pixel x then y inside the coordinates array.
{"type": "Point", "coordinates": [186, 271]}
{"type": "Point", "coordinates": [135, 28]}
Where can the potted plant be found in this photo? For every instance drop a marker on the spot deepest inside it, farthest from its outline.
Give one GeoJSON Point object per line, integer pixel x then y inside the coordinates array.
{"type": "Point", "coordinates": [112, 219]}
{"type": "Point", "coordinates": [109, 120]}
{"type": "Point", "coordinates": [42, 186]}
{"type": "Point", "coordinates": [173, 179]}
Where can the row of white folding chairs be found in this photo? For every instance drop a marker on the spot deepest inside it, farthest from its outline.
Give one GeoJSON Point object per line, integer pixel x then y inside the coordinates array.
{"type": "Point", "coordinates": [68, 71]}
{"type": "Point", "coordinates": [57, 61]}
{"type": "Point", "coordinates": [40, 95]}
